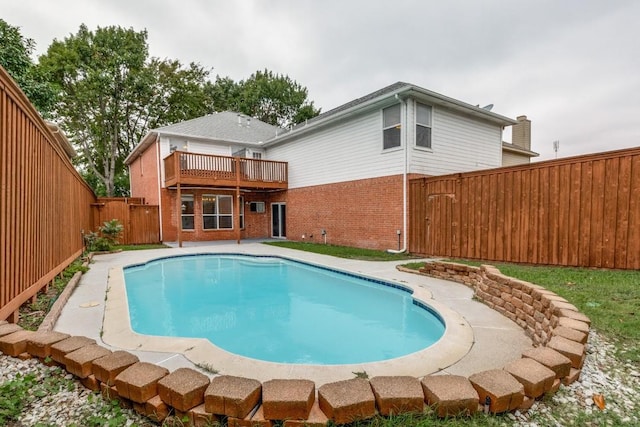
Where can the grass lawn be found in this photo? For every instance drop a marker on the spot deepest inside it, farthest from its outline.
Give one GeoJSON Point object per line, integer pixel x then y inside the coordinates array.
{"type": "Point", "coordinates": [611, 298]}
{"type": "Point", "coordinates": [342, 251]}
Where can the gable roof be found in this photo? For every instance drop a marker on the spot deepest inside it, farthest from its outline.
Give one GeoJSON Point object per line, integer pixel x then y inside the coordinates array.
{"type": "Point", "coordinates": [225, 126]}
{"type": "Point", "coordinates": [386, 95]}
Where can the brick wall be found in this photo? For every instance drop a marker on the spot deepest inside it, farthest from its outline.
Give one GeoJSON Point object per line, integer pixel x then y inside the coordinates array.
{"type": "Point", "coordinates": [144, 176]}
{"type": "Point", "coordinates": [257, 225]}
{"type": "Point", "coordinates": [363, 213]}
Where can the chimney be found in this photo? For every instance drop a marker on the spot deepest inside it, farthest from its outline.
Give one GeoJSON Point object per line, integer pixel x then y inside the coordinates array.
{"type": "Point", "coordinates": [521, 133]}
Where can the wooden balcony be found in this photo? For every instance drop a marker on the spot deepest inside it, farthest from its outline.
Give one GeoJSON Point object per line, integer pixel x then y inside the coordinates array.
{"type": "Point", "coordinates": [222, 171]}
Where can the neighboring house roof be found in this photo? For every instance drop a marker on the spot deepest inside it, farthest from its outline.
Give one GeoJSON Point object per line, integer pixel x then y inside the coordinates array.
{"type": "Point", "coordinates": [507, 146]}
{"type": "Point", "coordinates": [222, 126]}
{"type": "Point", "coordinates": [399, 90]}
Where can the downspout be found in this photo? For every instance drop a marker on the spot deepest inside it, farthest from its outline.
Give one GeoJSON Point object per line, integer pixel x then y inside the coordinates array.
{"type": "Point", "coordinates": [159, 157]}
{"type": "Point", "coordinates": [403, 140]}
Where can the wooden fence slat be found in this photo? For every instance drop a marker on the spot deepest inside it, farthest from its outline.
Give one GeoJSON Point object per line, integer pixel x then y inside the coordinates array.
{"type": "Point", "coordinates": [564, 212]}
{"type": "Point", "coordinates": [622, 217]}
{"type": "Point", "coordinates": [610, 211]}
{"type": "Point", "coordinates": [633, 239]}
{"type": "Point", "coordinates": [44, 203]}
{"type": "Point", "coordinates": [579, 211]}
{"type": "Point", "coordinates": [597, 207]}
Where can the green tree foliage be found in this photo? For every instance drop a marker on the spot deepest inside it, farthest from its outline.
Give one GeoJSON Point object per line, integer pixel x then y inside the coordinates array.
{"type": "Point", "coordinates": [112, 94]}
{"type": "Point", "coordinates": [15, 57]}
{"type": "Point", "coordinates": [272, 98]}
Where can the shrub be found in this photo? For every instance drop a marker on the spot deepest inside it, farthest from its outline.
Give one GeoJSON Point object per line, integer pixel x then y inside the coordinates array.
{"type": "Point", "coordinates": [105, 238]}
{"type": "Point", "coordinates": [111, 230]}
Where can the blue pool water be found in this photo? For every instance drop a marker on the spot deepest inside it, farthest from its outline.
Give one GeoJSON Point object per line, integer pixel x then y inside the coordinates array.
{"type": "Point", "coordinates": [277, 310]}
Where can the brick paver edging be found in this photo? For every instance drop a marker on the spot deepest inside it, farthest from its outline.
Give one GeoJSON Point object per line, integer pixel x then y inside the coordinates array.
{"type": "Point", "coordinates": [555, 326]}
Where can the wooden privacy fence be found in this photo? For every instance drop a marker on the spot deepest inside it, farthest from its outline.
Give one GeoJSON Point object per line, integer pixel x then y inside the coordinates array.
{"type": "Point", "coordinates": [141, 222]}
{"type": "Point", "coordinates": [44, 203]}
{"type": "Point", "coordinates": [579, 211]}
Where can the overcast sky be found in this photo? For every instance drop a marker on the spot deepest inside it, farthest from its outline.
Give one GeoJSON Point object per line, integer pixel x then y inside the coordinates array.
{"type": "Point", "coordinates": [571, 66]}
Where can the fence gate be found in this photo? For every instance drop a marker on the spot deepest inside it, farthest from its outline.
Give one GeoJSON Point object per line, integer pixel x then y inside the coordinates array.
{"type": "Point", "coordinates": [441, 233]}
{"type": "Point", "coordinates": [141, 222]}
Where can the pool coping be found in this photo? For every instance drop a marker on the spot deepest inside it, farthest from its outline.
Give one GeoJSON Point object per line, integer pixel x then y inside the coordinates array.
{"type": "Point", "coordinates": [456, 342]}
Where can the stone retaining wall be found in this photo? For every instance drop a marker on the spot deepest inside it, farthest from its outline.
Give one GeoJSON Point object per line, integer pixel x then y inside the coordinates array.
{"type": "Point", "coordinates": [536, 310]}
{"type": "Point", "coordinates": [555, 325]}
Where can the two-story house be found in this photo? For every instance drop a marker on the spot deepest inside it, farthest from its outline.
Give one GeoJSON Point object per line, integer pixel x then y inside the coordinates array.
{"type": "Point", "coordinates": [341, 177]}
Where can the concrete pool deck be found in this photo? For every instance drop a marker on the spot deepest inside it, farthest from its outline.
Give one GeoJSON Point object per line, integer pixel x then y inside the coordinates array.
{"type": "Point", "coordinates": [478, 338]}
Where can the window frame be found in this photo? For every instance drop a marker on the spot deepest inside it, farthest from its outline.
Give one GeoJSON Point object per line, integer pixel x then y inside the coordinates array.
{"type": "Point", "coordinates": [242, 223]}
{"type": "Point", "coordinates": [216, 215]}
{"type": "Point", "coordinates": [188, 198]}
{"type": "Point", "coordinates": [397, 126]}
{"type": "Point", "coordinates": [425, 126]}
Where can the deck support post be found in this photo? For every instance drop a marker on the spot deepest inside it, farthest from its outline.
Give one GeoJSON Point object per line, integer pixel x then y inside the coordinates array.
{"type": "Point", "coordinates": [236, 207]}
{"type": "Point", "coordinates": [179, 216]}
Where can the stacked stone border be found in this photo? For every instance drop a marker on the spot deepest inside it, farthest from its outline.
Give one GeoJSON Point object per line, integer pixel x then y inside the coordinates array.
{"type": "Point", "coordinates": [556, 327]}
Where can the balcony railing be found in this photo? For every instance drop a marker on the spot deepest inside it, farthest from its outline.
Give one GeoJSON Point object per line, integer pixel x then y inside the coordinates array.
{"type": "Point", "coordinates": [206, 169]}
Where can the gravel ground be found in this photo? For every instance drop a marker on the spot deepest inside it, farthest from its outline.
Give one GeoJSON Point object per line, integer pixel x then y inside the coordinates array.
{"type": "Point", "coordinates": [602, 373]}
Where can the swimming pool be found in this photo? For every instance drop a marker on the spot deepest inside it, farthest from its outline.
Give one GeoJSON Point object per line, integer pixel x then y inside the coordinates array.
{"type": "Point", "coordinates": [278, 310]}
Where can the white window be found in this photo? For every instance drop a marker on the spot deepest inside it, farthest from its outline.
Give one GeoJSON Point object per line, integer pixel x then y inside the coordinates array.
{"type": "Point", "coordinates": [423, 125]}
{"type": "Point", "coordinates": [217, 212]}
{"type": "Point", "coordinates": [186, 206]}
{"type": "Point", "coordinates": [257, 156]}
{"type": "Point", "coordinates": [391, 127]}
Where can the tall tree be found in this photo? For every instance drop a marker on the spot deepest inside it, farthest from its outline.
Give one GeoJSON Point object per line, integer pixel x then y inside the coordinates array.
{"type": "Point", "coordinates": [15, 57]}
{"type": "Point", "coordinates": [272, 98]}
{"type": "Point", "coordinates": [112, 93]}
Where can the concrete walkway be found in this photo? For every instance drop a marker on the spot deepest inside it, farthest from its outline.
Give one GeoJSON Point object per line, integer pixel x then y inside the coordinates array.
{"type": "Point", "coordinates": [478, 337]}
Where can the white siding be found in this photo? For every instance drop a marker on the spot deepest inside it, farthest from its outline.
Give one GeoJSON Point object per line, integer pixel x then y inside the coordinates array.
{"type": "Point", "coordinates": [347, 151]}
{"type": "Point", "coordinates": [183, 144]}
{"type": "Point", "coordinates": [208, 148]}
{"type": "Point", "coordinates": [459, 143]}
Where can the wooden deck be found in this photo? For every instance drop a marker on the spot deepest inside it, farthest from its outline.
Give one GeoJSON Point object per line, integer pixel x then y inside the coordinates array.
{"type": "Point", "coordinates": [223, 171]}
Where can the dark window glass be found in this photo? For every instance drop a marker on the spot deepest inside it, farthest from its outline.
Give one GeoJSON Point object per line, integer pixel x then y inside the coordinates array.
{"type": "Point", "coordinates": [391, 138]}
{"type": "Point", "coordinates": [423, 136]}
{"type": "Point", "coordinates": [187, 222]}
